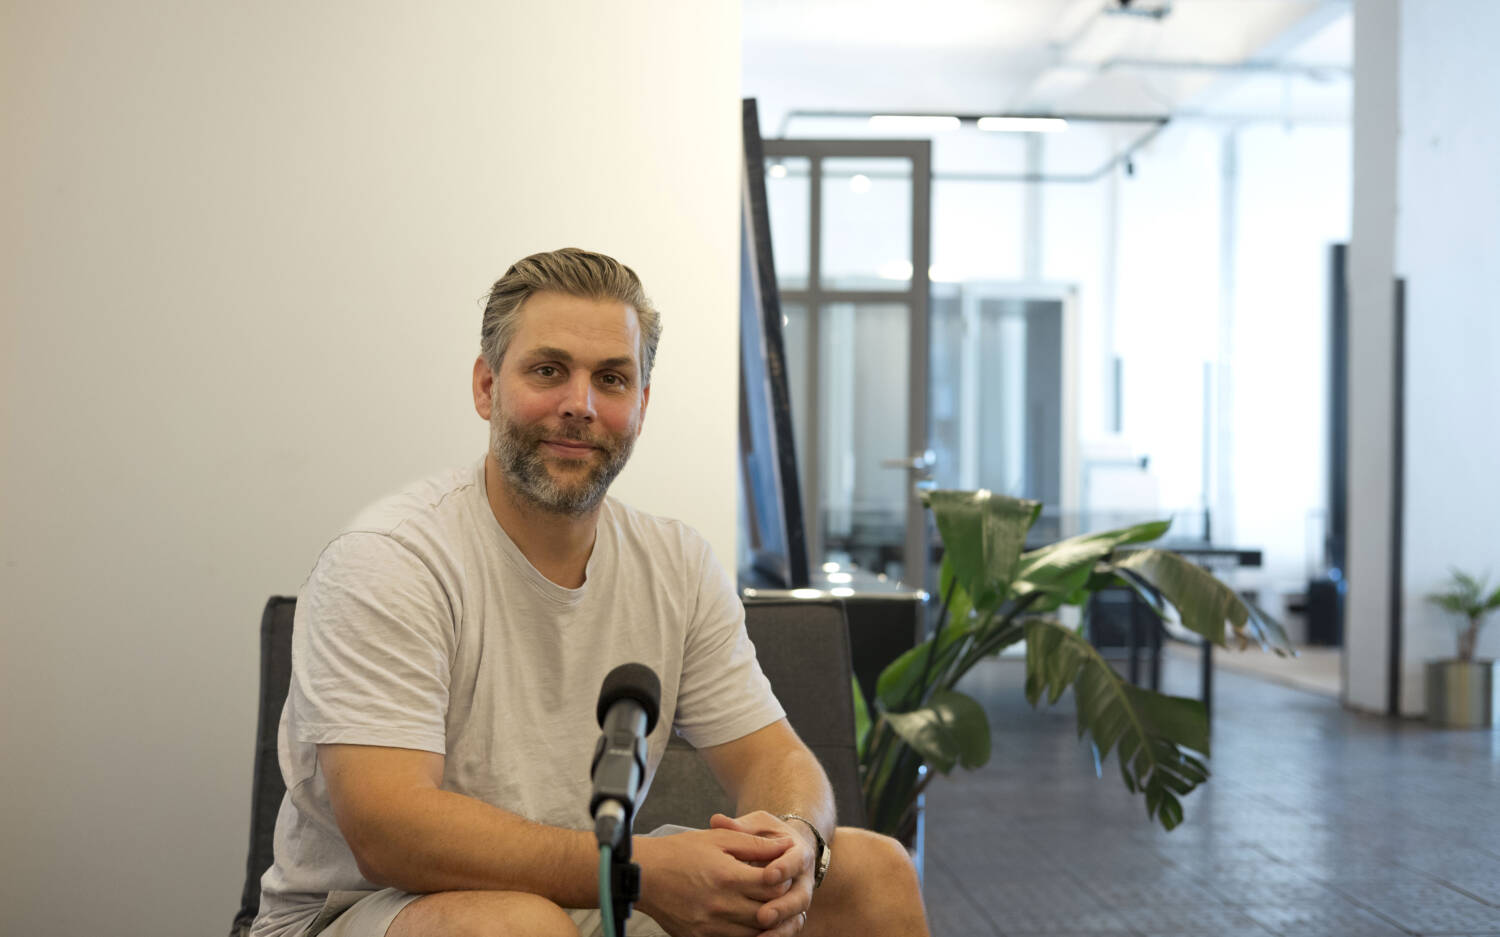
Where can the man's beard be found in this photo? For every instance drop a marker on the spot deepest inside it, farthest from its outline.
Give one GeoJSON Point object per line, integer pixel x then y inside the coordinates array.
{"type": "Point", "coordinates": [517, 452]}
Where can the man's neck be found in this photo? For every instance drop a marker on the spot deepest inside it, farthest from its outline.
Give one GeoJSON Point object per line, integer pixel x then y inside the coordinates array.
{"type": "Point", "coordinates": [558, 545]}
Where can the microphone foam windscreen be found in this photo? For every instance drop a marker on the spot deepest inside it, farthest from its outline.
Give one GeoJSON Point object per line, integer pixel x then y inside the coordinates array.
{"type": "Point", "coordinates": [635, 682]}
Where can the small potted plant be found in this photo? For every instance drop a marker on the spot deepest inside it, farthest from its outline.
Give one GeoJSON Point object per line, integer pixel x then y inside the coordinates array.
{"type": "Point", "coordinates": [1460, 690]}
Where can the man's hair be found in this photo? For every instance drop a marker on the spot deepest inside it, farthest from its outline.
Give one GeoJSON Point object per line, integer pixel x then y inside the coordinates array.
{"type": "Point", "coordinates": [575, 272]}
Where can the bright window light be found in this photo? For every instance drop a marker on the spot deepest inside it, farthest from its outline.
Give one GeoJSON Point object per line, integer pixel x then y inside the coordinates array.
{"type": "Point", "coordinates": [895, 270]}
{"type": "Point", "coordinates": [913, 123]}
{"type": "Point", "coordinates": [859, 182]}
{"type": "Point", "coordinates": [840, 577]}
{"type": "Point", "coordinates": [842, 592]}
{"type": "Point", "coordinates": [778, 171]}
{"type": "Point", "coordinates": [1023, 124]}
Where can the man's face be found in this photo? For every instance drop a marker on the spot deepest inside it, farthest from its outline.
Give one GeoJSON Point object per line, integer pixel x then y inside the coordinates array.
{"type": "Point", "coordinates": [567, 405]}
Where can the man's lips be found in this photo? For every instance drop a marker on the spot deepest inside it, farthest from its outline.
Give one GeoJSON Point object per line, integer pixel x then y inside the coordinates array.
{"type": "Point", "coordinates": [568, 447]}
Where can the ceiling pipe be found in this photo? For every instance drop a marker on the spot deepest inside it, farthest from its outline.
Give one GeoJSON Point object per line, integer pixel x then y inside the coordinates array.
{"type": "Point", "coordinates": [964, 119]}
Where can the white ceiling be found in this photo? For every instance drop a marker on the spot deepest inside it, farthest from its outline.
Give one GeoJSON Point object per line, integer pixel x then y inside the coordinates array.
{"type": "Point", "coordinates": [1266, 59]}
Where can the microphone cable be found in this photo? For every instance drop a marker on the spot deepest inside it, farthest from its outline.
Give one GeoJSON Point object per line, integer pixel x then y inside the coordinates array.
{"type": "Point", "coordinates": [606, 903]}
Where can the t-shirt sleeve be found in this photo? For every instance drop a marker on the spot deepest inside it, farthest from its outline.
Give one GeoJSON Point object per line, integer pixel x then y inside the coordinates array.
{"type": "Point", "coordinates": [723, 694]}
{"type": "Point", "coordinates": [372, 648]}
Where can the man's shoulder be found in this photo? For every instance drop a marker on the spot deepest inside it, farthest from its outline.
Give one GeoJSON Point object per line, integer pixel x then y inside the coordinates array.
{"type": "Point", "coordinates": [429, 502]}
{"type": "Point", "coordinates": [652, 531]}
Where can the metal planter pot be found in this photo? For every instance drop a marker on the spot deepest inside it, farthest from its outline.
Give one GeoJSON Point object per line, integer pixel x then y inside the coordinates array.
{"type": "Point", "coordinates": [1460, 694]}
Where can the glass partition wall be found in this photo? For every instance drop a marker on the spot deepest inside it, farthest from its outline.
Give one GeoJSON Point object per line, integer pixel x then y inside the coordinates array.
{"type": "Point", "coordinates": [850, 231]}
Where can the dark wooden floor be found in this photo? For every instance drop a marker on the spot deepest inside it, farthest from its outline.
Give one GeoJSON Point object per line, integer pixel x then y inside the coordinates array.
{"type": "Point", "coordinates": [1317, 823]}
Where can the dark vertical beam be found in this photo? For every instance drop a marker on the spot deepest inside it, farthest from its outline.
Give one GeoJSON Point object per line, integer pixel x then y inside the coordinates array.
{"type": "Point", "coordinates": [1334, 545]}
{"type": "Point", "coordinates": [1398, 494]}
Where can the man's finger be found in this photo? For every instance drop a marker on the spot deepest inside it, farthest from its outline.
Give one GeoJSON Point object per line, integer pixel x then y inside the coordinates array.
{"type": "Point", "coordinates": [721, 821]}
{"type": "Point", "coordinates": [783, 916]}
{"type": "Point", "coordinates": [782, 910]}
{"type": "Point", "coordinates": [792, 925]}
{"type": "Point", "coordinates": [748, 847]}
{"type": "Point", "coordinates": [788, 865]}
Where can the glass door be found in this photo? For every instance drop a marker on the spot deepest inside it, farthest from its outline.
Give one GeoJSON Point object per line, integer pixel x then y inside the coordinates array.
{"type": "Point", "coordinates": [850, 224]}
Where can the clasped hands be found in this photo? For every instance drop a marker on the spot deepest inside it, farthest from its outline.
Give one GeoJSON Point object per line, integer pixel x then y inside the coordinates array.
{"type": "Point", "coordinates": [749, 876]}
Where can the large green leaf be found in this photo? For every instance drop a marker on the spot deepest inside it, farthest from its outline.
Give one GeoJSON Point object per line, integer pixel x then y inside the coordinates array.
{"type": "Point", "coordinates": [1151, 733]}
{"type": "Point", "coordinates": [984, 533]}
{"type": "Point", "coordinates": [861, 717]}
{"type": "Point", "coordinates": [1061, 570]}
{"type": "Point", "coordinates": [957, 604]}
{"type": "Point", "coordinates": [900, 685]}
{"type": "Point", "coordinates": [907, 680]}
{"type": "Point", "coordinates": [952, 729]}
{"type": "Point", "coordinates": [1203, 604]}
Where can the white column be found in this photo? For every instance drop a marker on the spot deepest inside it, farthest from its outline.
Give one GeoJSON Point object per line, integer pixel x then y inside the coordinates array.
{"type": "Point", "coordinates": [1372, 258]}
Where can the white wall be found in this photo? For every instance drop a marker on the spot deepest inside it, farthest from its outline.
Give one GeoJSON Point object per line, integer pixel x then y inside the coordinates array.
{"type": "Point", "coordinates": [1291, 205]}
{"type": "Point", "coordinates": [244, 246]}
{"type": "Point", "coordinates": [1448, 249]}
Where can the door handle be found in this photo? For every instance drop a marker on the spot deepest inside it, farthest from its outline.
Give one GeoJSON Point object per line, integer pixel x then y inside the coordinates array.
{"type": "Point", "coordinates": [918, 462]}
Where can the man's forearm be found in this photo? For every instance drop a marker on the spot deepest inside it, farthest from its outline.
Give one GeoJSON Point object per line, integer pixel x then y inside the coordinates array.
{"type": "Point", "coordinates": [426, 839]}
{"type": "Point", "coordinates": [791, 783]}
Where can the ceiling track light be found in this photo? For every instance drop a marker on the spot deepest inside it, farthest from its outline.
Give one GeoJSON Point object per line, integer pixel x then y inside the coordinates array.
{"type": "Point", "coordinates": [1129, 8]}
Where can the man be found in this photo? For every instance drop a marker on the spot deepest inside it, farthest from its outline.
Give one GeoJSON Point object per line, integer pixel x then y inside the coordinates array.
{"type": "Point", "coordinates": [448, 648]}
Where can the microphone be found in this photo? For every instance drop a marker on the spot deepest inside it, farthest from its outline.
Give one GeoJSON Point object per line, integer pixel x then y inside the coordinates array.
{"type": "Point", "coordinates": [627, 710]}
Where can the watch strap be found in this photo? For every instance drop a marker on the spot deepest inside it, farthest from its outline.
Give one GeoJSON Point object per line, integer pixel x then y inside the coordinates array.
{"type": "Point", "coordinates": [825, 855]}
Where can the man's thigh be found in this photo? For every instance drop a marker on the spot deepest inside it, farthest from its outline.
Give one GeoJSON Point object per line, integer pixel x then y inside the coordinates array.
{"type": "Point", "coordinates": [370, 916]}
{"type": "Point", "coordinates": [385, 914]}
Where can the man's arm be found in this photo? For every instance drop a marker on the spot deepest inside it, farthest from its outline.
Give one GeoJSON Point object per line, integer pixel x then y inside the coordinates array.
{"type": "Point", "coordinates": [408, 833]}
{"type": "Point", "coordinates": [772, 770]}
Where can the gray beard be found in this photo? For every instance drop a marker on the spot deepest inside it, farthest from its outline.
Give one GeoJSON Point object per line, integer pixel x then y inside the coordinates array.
{"type": "Point", "coordinates": [517, 453]}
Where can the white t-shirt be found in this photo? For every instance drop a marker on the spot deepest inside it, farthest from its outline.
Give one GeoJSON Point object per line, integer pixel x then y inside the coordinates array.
{"type": "Point", "coordinates": [423, 626]}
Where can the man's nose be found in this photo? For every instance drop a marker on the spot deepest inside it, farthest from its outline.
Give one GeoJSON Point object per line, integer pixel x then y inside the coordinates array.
{"type": "Point", "coordinates": [578, 401]}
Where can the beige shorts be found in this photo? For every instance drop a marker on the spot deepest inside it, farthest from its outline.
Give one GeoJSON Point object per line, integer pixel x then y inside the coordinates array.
{"type": "Point", "coordinates": [369, 914]}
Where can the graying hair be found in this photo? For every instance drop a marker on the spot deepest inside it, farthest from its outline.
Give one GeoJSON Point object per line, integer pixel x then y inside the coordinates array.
{"type": "Point", "coordinates": [574, 272]}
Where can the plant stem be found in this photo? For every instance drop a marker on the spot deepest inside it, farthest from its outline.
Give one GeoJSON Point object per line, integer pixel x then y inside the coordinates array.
{"type": "Point", "coordinates": [932, 645]}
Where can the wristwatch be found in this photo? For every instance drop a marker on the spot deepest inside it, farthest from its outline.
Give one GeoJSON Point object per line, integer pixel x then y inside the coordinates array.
{"type": "Point", "coordinates": [825, 855]}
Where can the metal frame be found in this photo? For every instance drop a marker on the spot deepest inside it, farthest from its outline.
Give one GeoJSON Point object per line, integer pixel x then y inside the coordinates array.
{"type": "Point", "coordinates": [914, 552]}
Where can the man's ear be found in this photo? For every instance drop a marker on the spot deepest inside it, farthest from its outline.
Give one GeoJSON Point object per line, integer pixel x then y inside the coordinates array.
{"type": "Point", "coordinates": [645, 399]}
{"type": "Point", "coordinates": [484, 389]}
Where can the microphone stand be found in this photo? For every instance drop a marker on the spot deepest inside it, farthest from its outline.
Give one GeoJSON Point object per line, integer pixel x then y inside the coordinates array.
{"type": "Point", "coordinates": [612, 827]}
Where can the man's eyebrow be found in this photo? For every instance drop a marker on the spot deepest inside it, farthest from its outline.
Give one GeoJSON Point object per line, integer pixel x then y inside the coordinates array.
{"type": "Point", "coordinates": [559, 354]}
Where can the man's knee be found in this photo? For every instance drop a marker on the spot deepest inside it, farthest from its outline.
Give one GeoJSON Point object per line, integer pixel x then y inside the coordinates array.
{"type": "Point", "coordinates": [871, 889]}
{"type": "Point", "coordinates": [482, 914]}
{"type": "Point", "coordinates": [870, 861]}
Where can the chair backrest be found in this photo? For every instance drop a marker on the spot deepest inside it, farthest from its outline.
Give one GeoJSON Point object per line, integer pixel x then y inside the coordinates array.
{"type": "Point", "coordinates": [802, 645]}
{"type": "Point", "coordinates": [803, 648]}
{"type": "Point", "coordinates": [267, 787]}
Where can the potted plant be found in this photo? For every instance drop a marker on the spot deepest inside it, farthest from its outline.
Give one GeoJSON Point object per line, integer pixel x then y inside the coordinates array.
{"type": "Point", "coordinates": [1460, 690]}
{"type": "Point", "coordinates": [995, 594]}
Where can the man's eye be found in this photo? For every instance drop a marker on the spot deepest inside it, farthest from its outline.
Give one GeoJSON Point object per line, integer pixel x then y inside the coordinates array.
{"type": "Point", "coordinates": [614, 380]}
{"type": "Point", "coordinates": [546, 370]}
